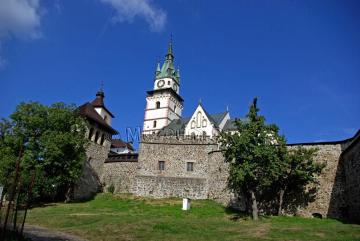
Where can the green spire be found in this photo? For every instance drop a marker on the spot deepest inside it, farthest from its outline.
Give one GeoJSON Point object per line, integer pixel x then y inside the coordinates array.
{"type": "Point", "coordinates": [169, 55]}
{"type": "Point", "coordinates": [177, 75]}
{"type": "Point", "coordinates": [158, 70]}
{"type": "Point", "coordinates": [168, 70]}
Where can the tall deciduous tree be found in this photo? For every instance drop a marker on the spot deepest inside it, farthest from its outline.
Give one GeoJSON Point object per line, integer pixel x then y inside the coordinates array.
{"type": "Point", "coordinates": [53, 143]}
{"type": "Point", "coordinates": [254, 154]}
{"type": "Point", "coordinates": [299, 169]}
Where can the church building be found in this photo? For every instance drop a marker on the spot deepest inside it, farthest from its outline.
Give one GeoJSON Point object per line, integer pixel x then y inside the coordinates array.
{"type": "Point", "coordinates": [164, 106]}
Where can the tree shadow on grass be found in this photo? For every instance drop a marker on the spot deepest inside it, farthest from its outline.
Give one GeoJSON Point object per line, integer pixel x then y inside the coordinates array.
{"type": "Point", "coordinates": [236, 214]}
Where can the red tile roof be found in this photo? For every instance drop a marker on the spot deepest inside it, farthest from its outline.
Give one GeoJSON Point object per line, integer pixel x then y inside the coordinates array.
{"type": "Point", "coordinates": [118, 143]}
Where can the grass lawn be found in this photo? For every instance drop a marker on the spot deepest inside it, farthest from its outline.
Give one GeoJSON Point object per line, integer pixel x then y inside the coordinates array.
{"type": "Point", "coordinates": [123, 217]}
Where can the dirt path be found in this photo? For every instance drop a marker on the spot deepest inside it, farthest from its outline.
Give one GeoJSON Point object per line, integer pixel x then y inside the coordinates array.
{"type": "Point", "coordinates": [36, 233]}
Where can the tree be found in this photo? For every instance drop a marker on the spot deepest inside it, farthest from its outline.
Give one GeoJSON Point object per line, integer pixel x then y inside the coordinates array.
{"type": "Point", "coordinates": [298, 171]}
{"type": "Point", "coordinates": [254, 154]}
{"type": "Point", "coordinates": [53, 142]}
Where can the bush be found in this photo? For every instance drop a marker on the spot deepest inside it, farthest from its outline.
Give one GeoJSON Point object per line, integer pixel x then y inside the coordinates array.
{"type": "Point", "coordinates": [111, 188]}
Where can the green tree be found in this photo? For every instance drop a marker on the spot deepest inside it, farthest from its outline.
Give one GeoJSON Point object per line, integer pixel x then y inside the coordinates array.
{"type": "Point", "coordinates": [254, 153]}
{"type": "Point", "coordinates": [299, 169]}
{"type": "Point", "coordinates": [53, 144]}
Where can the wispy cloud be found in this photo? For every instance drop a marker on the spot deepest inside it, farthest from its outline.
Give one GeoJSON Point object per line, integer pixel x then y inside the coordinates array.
{"type": "Point", "coordinates": [128, 10]}
{"type": "Point", "coordinates": [19, 19]}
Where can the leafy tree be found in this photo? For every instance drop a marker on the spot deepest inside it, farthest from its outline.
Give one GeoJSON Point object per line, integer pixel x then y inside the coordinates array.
{"type": "Point", "coordinates": [53, 144]}
{"type": "Point", "coordinates": [254, 153]}
{"type": "Point", "coordinates": [298, 170]}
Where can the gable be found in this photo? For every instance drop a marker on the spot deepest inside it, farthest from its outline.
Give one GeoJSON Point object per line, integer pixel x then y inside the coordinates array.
{"type": "Point", "coordinates": [200, 123]}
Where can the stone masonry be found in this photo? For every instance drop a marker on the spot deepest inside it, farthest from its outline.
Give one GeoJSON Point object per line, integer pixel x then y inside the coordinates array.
{"type": "Point", "coordinates": [350, 160]}
{"type": "Point", "coordinates": [337, 196]}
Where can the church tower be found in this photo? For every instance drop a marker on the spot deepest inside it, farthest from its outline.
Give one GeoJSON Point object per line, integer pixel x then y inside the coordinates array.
{"type": "Point", "coordinates": [163, 103]}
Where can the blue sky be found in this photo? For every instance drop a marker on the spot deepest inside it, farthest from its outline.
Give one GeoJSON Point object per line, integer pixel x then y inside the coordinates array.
{"type": "Point", "coordinates": [300, 58]}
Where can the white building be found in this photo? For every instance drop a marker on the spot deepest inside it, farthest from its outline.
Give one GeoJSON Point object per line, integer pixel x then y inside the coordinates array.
{"type": "Point", "coordinates": [164, 103]}
{"type": "Point", "coordinates": [164, 106]}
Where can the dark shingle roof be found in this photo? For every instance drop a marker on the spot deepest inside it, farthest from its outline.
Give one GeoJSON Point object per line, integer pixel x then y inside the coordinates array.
{"type": "Point", "coordinates": [178, 125]}
{"type": "Point", "coordinates": [230, 124]}
{"type": "Point", "coordinates": [99, 102]}
{"type": "Point", "coordinates": [87, 110]}
{"type": "Point", "coordinates": [175, 126]}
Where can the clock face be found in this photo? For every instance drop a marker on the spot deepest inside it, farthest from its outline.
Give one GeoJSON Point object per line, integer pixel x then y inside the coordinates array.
{"type": "Point", "coordinates": [175, 87]}
{"type": "Point", "coordinates": [160, 83]}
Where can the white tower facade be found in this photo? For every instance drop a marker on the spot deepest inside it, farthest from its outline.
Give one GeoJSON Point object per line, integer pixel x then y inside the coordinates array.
{"type": "Point", "coordinates": [163, 103]}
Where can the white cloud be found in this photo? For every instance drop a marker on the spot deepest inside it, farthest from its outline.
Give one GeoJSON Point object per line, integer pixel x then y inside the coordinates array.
{"type": "Point", "coordinates": [127, 10]}
{"type": "Point", "coordinates": [20, 19]}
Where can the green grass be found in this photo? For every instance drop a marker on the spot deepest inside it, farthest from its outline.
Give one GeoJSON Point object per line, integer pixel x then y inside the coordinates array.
{"type": "Point", "coordinates": [123, 217]}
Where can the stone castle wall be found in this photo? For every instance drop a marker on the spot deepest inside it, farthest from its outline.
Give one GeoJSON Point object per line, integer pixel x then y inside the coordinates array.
{"type": "Point", "coordinates": [333, 198]}
{"type": "Point", "coordinates": [350, 161]}
{"type": "Point", "coordinates": [91, 180]}
{"type": "Point", "coordinates": [175, 180]}
{"type": "Point", "coordinates": [121, 175]}
{"type": "Point", "coordinates": [329, 196]}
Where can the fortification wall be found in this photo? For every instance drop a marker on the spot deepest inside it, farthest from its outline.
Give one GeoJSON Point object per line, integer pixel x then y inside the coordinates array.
{"type": "Point", "coordinates": [121, 175]}
{"type": "Point", "coordinates": [175, 180]}
{"type": "Point", "coordinates": [91, 179]}
{"type": "Point", "coordinates": [328, 198]}
{"type": "Point", "coordinates": [209, 176]}
{"type": "Point", "coordinates": [350, 159]}
{"type": "Point", "coordinates": [167, 186]}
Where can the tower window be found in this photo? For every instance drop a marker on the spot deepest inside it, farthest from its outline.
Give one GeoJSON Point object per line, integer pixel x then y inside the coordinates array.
{"type": "Point", "coordinates": [157, 104]}
{"type": "Point", "coordinates": [96, 137]}
{"type": "Point", "coordinates": [102, 139]}
{"type": "Point", "coordinates": [91, 132]}
{"type": "Point", "coordinates": [169, 82]}
{"type": "Point", "coordinates": [154, 124]}
{"type": "Point", "coordinates": [161, 165]}
{"type": "Point", "coordinates": [174, 108]}
{"type": "Point", "coordinates": [189, 166]}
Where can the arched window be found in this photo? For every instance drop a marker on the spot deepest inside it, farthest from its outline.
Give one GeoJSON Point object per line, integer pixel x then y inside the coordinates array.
{"type": "Point", "coordinates": [198, 119]}
{"type": "Point", "coordinates": [157, 104]}
{"type": "Point", "coordinates": [102, 139]}
{"type": "Point", "coordinates": [91, 132]}
{"type": "Point", "coordinates": [204, 134]}
{"type": "Point", "coordinates": [174, 108]}
{"type": "Point", "coordinates": [105, 118]}
{"type": "Point", "coordinates": [193, 124]}
{"type": "Point", "coordinates": [96, 137]}
{"type": "Point", "coordinates": [204, 123]}
{"type": "Point", "coordinates": [154, 125]}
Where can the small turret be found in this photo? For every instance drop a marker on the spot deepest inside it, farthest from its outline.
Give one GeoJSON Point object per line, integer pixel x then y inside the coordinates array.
{"type": "Point", "coordinates": [158, 70]}
{"type": "Point", "coordinates": [177, 75]}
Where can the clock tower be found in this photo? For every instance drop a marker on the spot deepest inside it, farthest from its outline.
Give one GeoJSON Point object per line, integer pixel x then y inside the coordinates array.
{"type": "Point", "coordinates": [163, 103]}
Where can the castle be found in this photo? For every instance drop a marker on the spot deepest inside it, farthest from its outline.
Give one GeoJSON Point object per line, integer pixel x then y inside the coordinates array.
{"type": "Point", "coordinates": [180, 157]}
